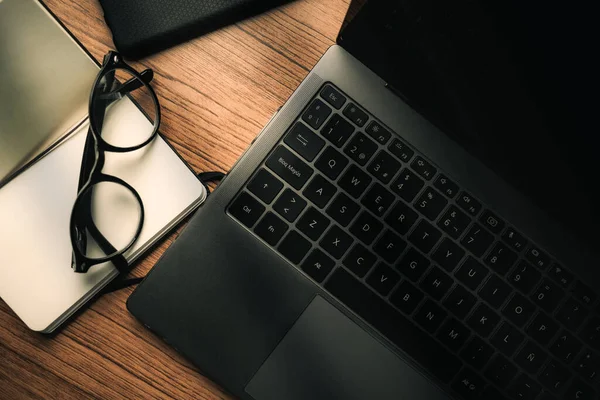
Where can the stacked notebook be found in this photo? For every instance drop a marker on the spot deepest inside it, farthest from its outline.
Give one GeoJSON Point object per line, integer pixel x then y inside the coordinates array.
{"type": "Point", "coordinates": [45, 82]}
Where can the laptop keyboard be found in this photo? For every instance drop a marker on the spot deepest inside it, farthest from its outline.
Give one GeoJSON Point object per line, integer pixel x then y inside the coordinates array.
{"type": "Point", "coordinates": [400, 243]}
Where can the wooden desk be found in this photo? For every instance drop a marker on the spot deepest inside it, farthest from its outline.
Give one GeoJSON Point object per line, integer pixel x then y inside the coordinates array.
{"type": "Point", "coordinates": [216, 93]}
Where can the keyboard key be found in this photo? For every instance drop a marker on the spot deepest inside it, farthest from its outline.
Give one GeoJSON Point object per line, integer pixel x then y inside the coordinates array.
{"type": "Point", "coordinates": [436, 283]}
{"type": "Point", "coordinates": [584, 293]}
{"type": "Point", "coordinates": [265, 186]}
{"type": "Point", "coordinates": [366, 227]}
{"type": "Point", "coordinates": [469, 384]}
{"type": "Point", "coordinates": [547, 295]}
{"type": "Point", "coordinates": [360, 148]}
{"type": "Point", "coordinates": [448, 254]}
{"type": "Point", "coordinates": [336, 242]}
{"type": "Point", "coordinates": [402, 218]}
{"type": "Point", "coordinates": [518, 310]}
{"type": "Point", "coordinates": [430, 316]}
{"type": "Point", "coordinates": [354, 181]}
{"type": "Point", "coordinates": [289, 205]}
{"type": "Point", "coordinates": [294, 247]}
{"type": "Point", "coordinates": [271, 228]}
{"type": "Point", "coordinates": [531, 357]}
{"type": "Point", "coordinates": [333, 97]}
{"type": "Point", "coordinates": [425, 236]}
{"type": "Point", "coordinates": [378, 132]}
{"type": "Point", "coordinates": [571, 314]}
{"type": "Point", "coordinates": [561, 275]}
{"type": "Point", "coordinates": [565, 347]}
{"type": "Point", "coordinates": [460, 302]}
{"type": "Point", "coordinates": [491, 393]}
{"type": "Point", "coordinates": [407, 185]}
{"type": "Point", "coordinates": [542, 328]}
{"type": "Point", "coordinates": [446, 186]}
{"type": "Point", "coordinates": [343, 209]}
{"type": "Point", "coordinates": [477, 353]}
{"type": "Point", "coordinates": [491, 221]}
{"type": "Point", "coordinates": [495, 291]}
{"type": "Point", "coordinates": [319, 191]}
{"type": "Point", "coordinates": [454, 222]}
{"type": "Point", "coordinates": [423, 168]}
{"type": "Point", "coordinates": [413, 265]}
{"type": "Point", "coordinates": [406, 297]}
{"type": "Point", "coordinates": [555, 376]}
{"type": "Point", "coordinates": [389, 247]}
{"type": "Point", "coordinates": [591, 332]}
{"type": "Point", "coordinates": [317, 265]}
{"type": "Point", "coordinates": [431, 203]}
{"type": "Point", "coordinates": [507, 339]}
{"type": "Point", "coordinates": [501, 258]}
{"type": "Point", "coordinates": [453, 334]}
{"type": "Point", "coordinates": [313, 223]}
{"type": "Point", "coordinates": [383, 279]}
{"type": "Point", "coordinates": [500, 371]}
{"type": "Point", "coordinates": [468, 203]}
{"type": "Point", "coordinates": [355, 114]}
{"type": "Point", "coordinates": [524, 388]}
{"type": "Point", "coordinates": [316, 114]}
{"type": "Point", "coordinates": [471, 273]}
{"type": "Point", "coordinates": [304, 141]}
{"type": "Point", "coordinates": [524, 277]}
{"type": "Point", "coordinates": [588, 366]}
{"type": "Point", "coordinates": [401, 150]}
{"type": "Point", "coordinates": [578, 390]}
{"type": "Point", "coordinates": [289, 167]}
{"type": "Point", "coordinates": [359, 260]}
{"type": "Point", "coordinates": [514, 239]}
{"type": "Point", "coordinates": [477, 240]}
{"type": "Point", "coordinates": [337, 130]}
{"type": "Point", "coordinates": [537, 257]}
{"type": "Point", "coordinates": [384, 167]}
{"type": "Point", "coordinates": [483, 320]}
{"type": "Point", "coordinates": [378, 200]}
{"type": "Point", "coordinates": [391, 323]}
{"type": "Point", "coordinates": [246, 209]}
{"type": "Point", "coordinates": [331, 163]}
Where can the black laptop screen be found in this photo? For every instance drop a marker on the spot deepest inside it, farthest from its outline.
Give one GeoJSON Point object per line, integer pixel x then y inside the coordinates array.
{"type": "Point", "coordinates": [514, 82]}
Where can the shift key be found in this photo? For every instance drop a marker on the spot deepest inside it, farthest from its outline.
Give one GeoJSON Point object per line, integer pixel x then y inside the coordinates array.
{"type": "Point", "coordinates": [289, 167]}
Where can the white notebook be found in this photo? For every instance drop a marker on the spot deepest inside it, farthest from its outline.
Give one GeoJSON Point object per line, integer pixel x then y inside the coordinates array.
{"type": "Point", "coordinates": [36, 279]}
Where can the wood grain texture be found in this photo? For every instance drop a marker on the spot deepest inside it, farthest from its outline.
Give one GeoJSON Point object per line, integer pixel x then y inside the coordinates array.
{"type": "Point", "coordinates": [216, 93]}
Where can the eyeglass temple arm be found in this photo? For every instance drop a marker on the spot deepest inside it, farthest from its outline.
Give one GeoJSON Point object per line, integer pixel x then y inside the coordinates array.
{"type": "Point", "coordinates": [88, 224]}
{"type": "Point", "coordinates": [129, 86]}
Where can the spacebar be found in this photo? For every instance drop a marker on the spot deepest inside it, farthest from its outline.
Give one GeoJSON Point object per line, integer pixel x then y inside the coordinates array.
{"type": "Point", "coordinates": [397, 328]}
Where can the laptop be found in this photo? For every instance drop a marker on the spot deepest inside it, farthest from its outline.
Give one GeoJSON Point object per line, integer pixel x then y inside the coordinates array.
{"type": "Point", "coordinates": [418, 221]}
{"type": "Point", "coordinates": [43, 128]}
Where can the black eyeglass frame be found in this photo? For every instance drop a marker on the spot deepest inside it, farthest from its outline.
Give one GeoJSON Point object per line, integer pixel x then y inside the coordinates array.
{"type": "Point", "coordinates": [91, 172]}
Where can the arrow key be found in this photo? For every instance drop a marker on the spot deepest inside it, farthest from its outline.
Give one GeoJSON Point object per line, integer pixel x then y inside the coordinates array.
{"type": "Point", "coordinates": [289, 205]}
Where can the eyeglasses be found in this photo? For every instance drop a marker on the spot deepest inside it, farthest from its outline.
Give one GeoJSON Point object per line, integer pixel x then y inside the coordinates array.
{"type": "Point", "coordinates": [108, 213]}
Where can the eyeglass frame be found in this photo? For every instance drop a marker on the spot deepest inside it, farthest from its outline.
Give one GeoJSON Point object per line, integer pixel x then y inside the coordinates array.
{"type": "Point", "coordinates": [97, 146]}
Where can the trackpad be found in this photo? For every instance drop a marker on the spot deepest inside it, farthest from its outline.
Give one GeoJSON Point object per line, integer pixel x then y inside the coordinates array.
{"type": "Point", "coordinates": [327, 356]}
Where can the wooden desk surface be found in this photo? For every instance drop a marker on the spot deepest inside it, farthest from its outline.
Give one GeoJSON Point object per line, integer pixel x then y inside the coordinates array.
{"type": "Point", "coordinates": [216, 94]}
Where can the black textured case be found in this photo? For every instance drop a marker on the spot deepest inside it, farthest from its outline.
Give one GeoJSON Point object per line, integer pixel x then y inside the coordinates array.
{"type": "Point", "coordinates": [141, 28]}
